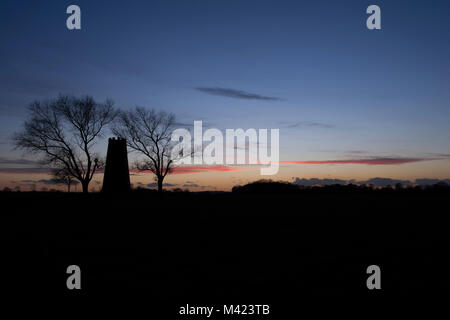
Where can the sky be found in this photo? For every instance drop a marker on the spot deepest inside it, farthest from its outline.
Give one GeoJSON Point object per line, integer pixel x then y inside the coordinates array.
{"type": "Point", "coordinates": [350, 103]}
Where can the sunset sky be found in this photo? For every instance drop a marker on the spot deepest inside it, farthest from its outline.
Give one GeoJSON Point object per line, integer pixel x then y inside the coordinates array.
{"type": "Point", "coordinates": [350, 103]}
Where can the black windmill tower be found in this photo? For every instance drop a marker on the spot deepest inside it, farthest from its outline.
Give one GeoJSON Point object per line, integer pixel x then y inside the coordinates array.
{"type": "Point", "coordinates": [116, 177]}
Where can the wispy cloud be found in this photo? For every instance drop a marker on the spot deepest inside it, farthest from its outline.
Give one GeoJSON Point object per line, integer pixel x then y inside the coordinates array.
{"type": "Point", "coordinates": [190, 125]}
{"type": "Point", "coordinates": [155, 185]}
{"type": "Point", "coordinates": [205, 168]}
{"type": "Point", "coordinates": [191, 185]}
{"type": "Point", "coordinates": [441, 155]}
{"type": "Point", "coordinates": [24, 170]}
{"type": "Point", "coordinates": [377, 182]}
{"type": "Point", "coordinates": [304, 124]}
{"type": "Point", "coordinates": [176, 170]}
{"type": "Point", "coordinates": [237, 94]}
{"type": "Point", "coordinates": [46, 181]}
{"type": "Point", "coordinates": [383, 182]}
{"type": "Point", "coordinates": [33, 170]}
{"type": "Point", "coordinates": [184, 169]}
{"type": "Point", "coordinates": [21, 166]}
{"type": "Point", "coordinates": [317, 181]}
{"type": "Point", "coordinates": [370, 161]}
{"type": "Point", "coordinates": [18, 161]}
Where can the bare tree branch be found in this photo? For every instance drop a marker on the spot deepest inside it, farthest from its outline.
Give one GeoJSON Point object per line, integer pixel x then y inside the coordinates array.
{"type": "Point", "coordinates": [64, 131]}
{"type": "Point", "coordinates": [148, 132]}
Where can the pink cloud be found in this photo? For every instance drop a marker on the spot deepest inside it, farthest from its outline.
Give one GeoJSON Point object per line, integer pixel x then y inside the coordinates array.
{"type": "Point", "coordinates": [198, 169]}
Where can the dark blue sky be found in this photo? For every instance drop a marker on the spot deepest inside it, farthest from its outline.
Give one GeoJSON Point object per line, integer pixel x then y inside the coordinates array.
{"type": "Point", "coordinates": [337, 87]}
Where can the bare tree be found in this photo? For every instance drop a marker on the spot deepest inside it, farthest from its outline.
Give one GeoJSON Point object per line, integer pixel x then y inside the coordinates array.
{"type": "Point", "coordinates": [148, 132]}
{"type": "Point", "coordinates": [64, 131]}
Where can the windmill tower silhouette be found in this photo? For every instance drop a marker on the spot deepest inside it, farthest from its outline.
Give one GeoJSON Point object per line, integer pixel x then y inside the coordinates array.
{"type": "Point", "coordinates": [116, 177]}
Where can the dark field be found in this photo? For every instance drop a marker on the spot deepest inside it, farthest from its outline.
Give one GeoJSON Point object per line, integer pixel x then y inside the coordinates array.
{"type": "Point", "coordinates": [217, 248]}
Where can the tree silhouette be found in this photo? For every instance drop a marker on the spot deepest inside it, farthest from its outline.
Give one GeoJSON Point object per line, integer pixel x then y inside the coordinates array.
{"type": "Point", "coordinates": [64, 131]}
{"type": "Point", "coordinates": [148, 132]}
